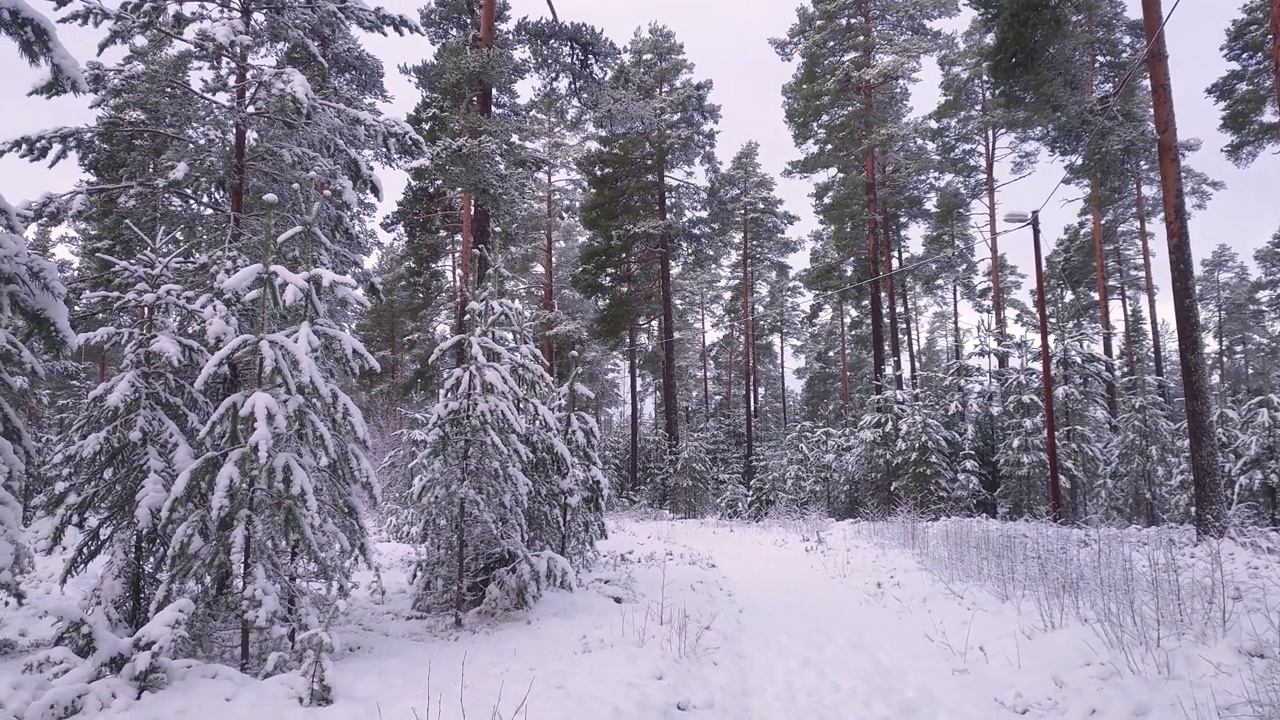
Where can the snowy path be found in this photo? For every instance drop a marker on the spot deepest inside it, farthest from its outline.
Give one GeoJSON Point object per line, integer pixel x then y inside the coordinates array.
{"type": "Point", "coordinates": [698, 621]}
{"type": "Point", "coordinates": [814, 645]}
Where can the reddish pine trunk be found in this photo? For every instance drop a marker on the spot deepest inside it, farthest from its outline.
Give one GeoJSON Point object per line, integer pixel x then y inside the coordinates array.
{"type": "Point", "coordinates": [990, 139]}
{"type": "Point", "coordinates": [873, 262]}
{"type": "Point", "coordinates": [1207, 482]}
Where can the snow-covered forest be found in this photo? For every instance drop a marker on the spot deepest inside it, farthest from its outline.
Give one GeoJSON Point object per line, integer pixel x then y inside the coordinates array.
{"type": "Point", "coordinates": [261, 438]}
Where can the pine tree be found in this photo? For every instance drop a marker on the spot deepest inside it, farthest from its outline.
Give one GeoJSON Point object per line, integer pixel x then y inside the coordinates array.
{"type": "Point", "coordinates": [1249, 92]}
{"type": "Point", "coordinates": [654, 133]}
{"type": "Point", "coordinates": [750, 211]}
{"type": "Point", "coordinates": [974, 134]}
{"type": "Point", "coordinates": [855, 62]}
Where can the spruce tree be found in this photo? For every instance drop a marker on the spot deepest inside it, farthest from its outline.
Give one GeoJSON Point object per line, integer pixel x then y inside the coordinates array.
{"type": "Point", "coordinates": [135, 433]}
{"type": "Point", "coordinates": [33, 327]}
{"type": "Point", "coordinates": [269, 520]}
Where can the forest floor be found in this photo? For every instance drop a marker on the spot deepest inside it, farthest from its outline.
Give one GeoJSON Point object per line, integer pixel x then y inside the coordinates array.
{"type": "Point", "coordinates": [803, 620]}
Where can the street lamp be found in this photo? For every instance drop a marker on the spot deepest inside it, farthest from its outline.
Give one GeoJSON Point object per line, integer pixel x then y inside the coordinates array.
{"type": "Point", "coordinates": [1051, 433]}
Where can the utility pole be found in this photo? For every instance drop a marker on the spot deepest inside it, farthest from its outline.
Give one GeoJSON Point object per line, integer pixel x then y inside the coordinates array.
{"type": "Point", "coordinates": [1046, 368]}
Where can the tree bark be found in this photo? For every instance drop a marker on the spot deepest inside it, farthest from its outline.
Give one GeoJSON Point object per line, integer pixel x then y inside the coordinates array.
{"type": "Point", "coordinates": [1104, 302]}
{"type": "Point", "coordinates": [1122, 282]}
{"type": "Point", "coordinates": [1205, 471]}
{"type": "Point", "coordinates": [844, 362]}
{"type": "Point", "coordinates": [482, 230]}
{"type": "Point", "coordinates": [670, 410]}
{"type": "Point", "coordinates": [989, 140]}
{"type": "Point", "coordinates": [549, 282]}
{"type": "Point", "coordinates": [240, 141]}
{"type": "Point", "coordinates": [895, 340]}
{"type": "Point", "coordinates": [782, 364]}
{"type": "Point", "coordinates": [873, 262]}
{"type": "Point", "coordinates": [633, 467]}
{"type": "Point", "coordinates": [706, 375]}
{"type": "Point", "coordinates": [906, 319]}
{"type": "Point", "coordinates": [1157, 349]}
{"type": "Point", "coordinates": [748, 379]}
{"type": "Point", "coordinates": [633, 370]}
{"type": "Point", "coordinates": [955, 319]}
{"type": "Point", "coordinates": [1274, 14]}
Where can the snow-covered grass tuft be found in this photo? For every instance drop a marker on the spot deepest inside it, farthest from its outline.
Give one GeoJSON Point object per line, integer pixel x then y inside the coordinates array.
{"type": "Point", "coordinates": [1155, 597]}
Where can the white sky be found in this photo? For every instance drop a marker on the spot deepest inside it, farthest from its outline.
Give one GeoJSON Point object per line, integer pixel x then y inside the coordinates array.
{"type": "Point", "coordinates": [727, 41]}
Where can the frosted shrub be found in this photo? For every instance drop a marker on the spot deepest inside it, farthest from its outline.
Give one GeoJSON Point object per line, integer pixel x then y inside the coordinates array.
{"type": "Point", "coordinates": [1144, 592]}
{"type": "Point", "coordinates": [90, 668]}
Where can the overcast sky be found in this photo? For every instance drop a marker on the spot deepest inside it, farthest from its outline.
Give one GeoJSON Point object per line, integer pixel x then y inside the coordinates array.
{"type": "Point", "coordinates": [727, 40]}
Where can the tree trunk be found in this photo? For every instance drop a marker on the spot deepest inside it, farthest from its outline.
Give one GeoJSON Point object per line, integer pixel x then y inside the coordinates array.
{"type": "Point", "coordinates": [906, 319]}
{"type": "Point", "coordinates": [752, 340]}
{"type": "Point", "coordinates": [895, 340]}
{"type": "Point", "coordinates": [460, 581]}
{"type": "Point", "coordinates": [1208, 492]}
{"type": "Point", "coordinates": [670, 411]}
{"type": "Point", "coordinates": [989, 140]}
{"type": "Point", "coordinates": [482, 230]}
{"type": "Point", "coordinates": [633, 376]}
{"type": "Point", "coordinates": [728, 375]}
{"type": "Point", "coordinates": [1274, 13]}
{"type": "Point", "coordinates": [1122, 282]}
{"type": "Point", "coordinates": [549, 283]}
{"type": "Point", "coordinates": [633, 369]}
{"type": "Point", "coordinates": [748, 380]}
{"type": "Point", "coordinates": [706, 375]}
{"type": "Point", "coordinates": [873, 262]}
{"type": "Point", "coordinates": [955, 319]}
{"type": "Point", "coordinates": [240, 142]}
{"type": "Point", "coordinates": [1104, 303]}
{"type": "Point", "coordinates": [844, 362]}
{"type": "Point", "coordinates": [1157, 349]}
{"type": "Point", "coordinates": [1222, 337]}
{"type": "Point", "coordinates": [782, 364]}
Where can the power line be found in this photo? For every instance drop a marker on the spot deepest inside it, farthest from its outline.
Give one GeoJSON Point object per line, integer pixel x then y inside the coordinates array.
{"type": "Point", "coordinates": [1115, 100]}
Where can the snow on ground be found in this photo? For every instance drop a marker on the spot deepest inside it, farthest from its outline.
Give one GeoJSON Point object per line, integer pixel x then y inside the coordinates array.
{"type": "Point", "coordinates": [804, 620]}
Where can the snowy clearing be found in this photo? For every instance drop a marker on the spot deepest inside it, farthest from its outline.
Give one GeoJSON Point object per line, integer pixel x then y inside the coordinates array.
{"type": "Point", "coordinates": [802, 619]}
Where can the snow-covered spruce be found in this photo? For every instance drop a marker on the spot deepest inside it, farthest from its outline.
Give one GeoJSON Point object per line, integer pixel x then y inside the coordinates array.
{"type": "Point", "coordinates": [33, 324]}
{"type": "Point", "coordinates": [135, 432]}
{"type": "Point", "coordinates": [487, 458]}
{"type": "Point", "coordinates": [269, 521]}
{"type": "Point", "coordinates": [91, 669]}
